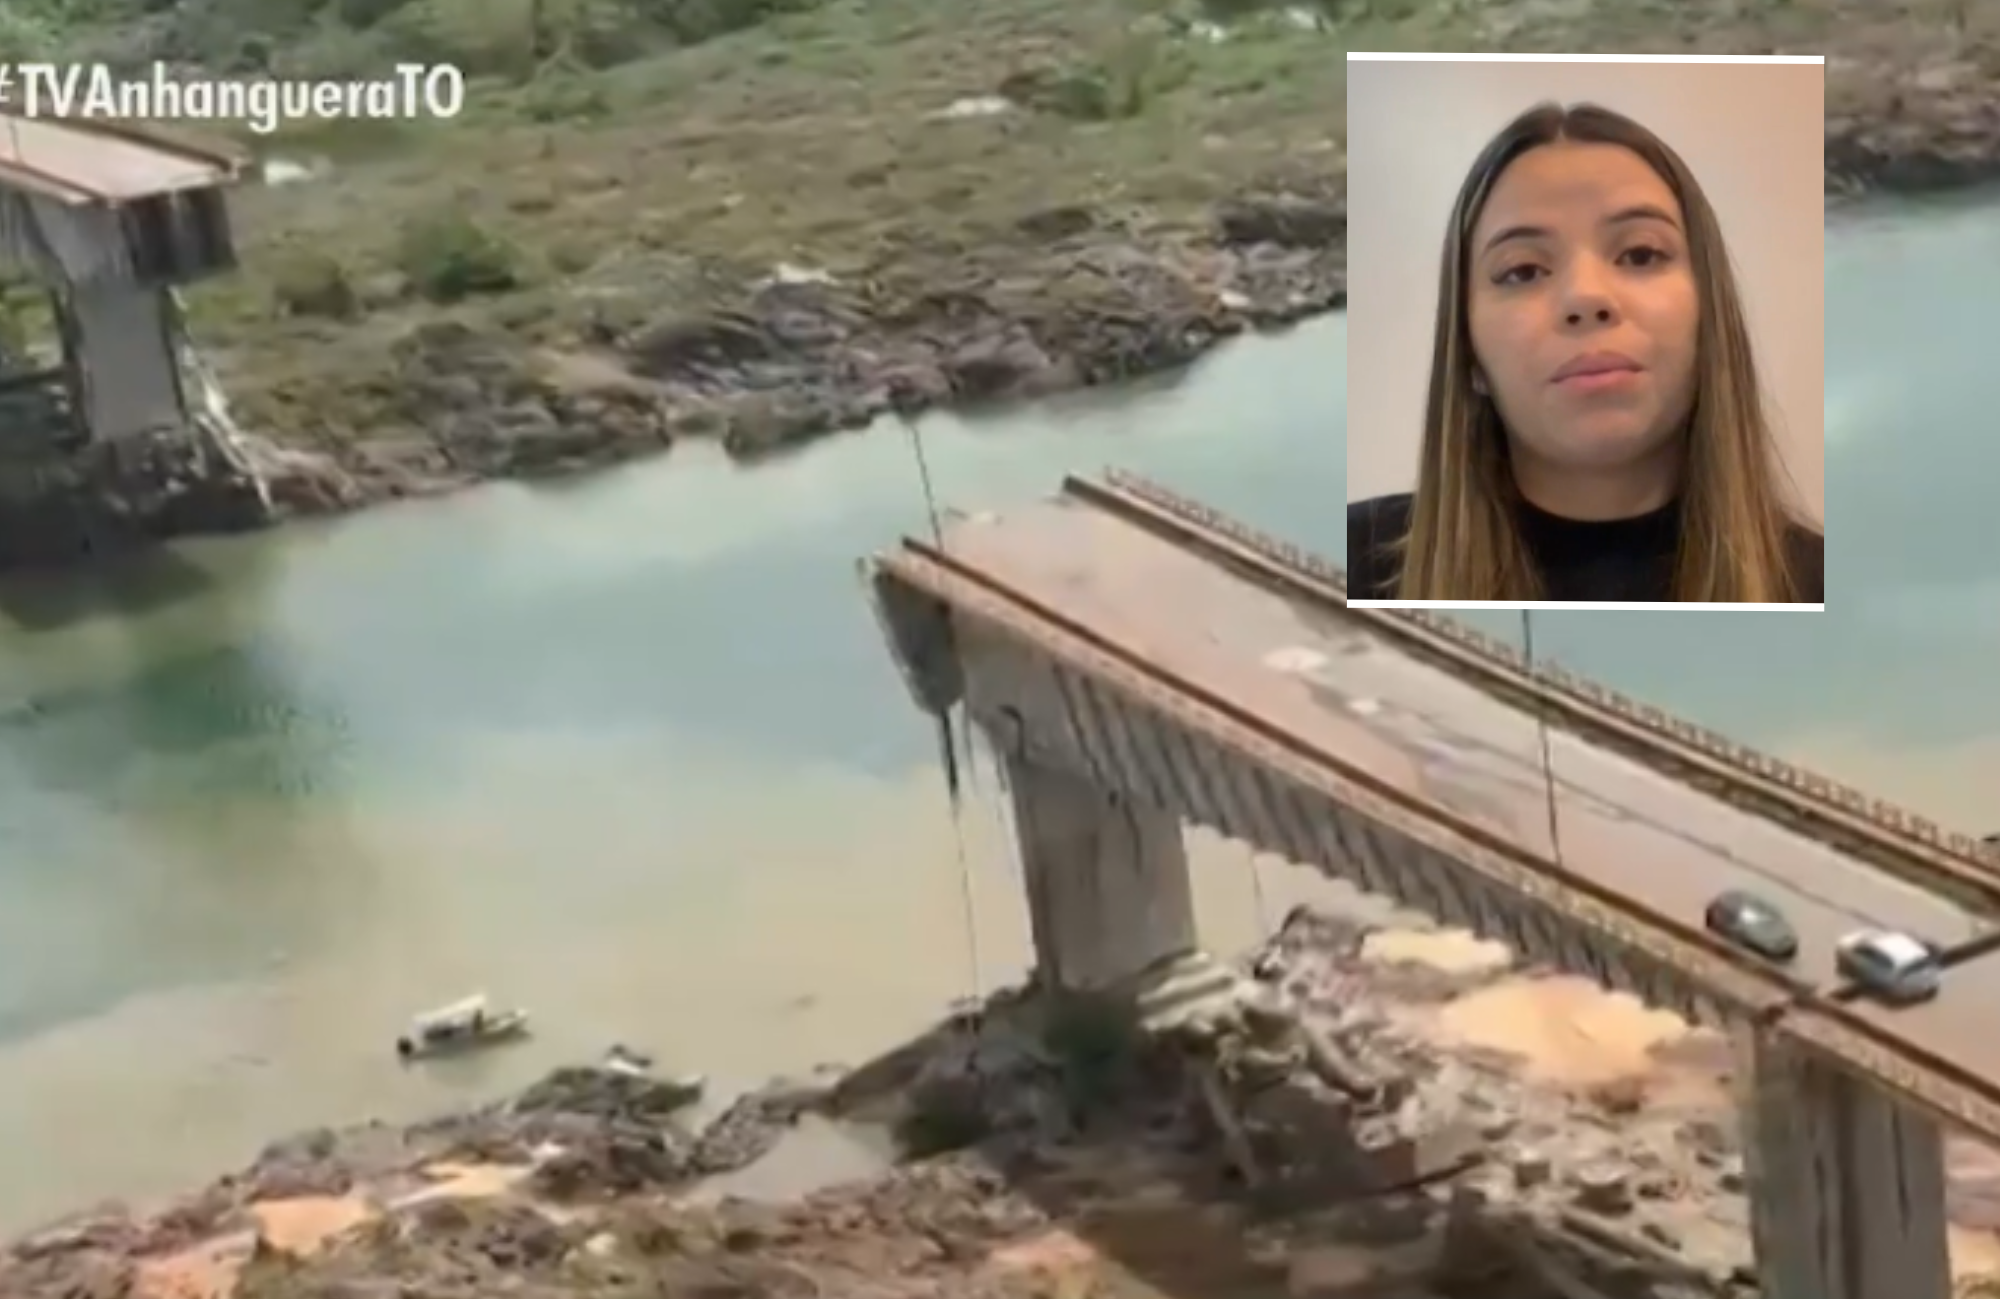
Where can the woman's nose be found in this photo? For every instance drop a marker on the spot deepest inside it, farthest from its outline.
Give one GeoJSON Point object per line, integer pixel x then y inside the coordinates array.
{"type": "Point", "coordinates": [1587, 301]}
{"type": "Point", "coordinates": [1586, 294]}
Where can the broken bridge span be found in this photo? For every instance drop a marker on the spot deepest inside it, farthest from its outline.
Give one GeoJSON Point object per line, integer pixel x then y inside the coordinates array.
{"type": "Point", "coordinates": [1139, 663]}
{"type": "Point", "coordinates": [113, 429]}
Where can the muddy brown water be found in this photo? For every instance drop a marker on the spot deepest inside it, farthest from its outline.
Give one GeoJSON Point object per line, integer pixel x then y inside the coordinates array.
{"type": "Point", "coordinates": [628, 751]}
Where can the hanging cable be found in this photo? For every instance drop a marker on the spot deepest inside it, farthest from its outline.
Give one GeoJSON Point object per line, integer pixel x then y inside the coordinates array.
{"type": "Point", "coordinates": [956, 760]}
{"type": "Point", "coordinates": [955, 790]}
{"type": "Point", "coordinates": [1542, 732]}
{"type": "Point", "coordinates": [923, 475]}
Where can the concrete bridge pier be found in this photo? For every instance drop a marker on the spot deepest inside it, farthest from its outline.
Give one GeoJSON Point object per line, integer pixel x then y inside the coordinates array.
{"type": "Point", "coordinates": [1110, 902]}
{"type": "Point", "coordinates": [1846, 1184]}
{"type": "Point", "coordinates": [1108, 890]}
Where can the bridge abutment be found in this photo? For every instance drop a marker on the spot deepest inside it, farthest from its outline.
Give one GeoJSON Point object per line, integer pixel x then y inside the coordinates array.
{"type": "Point", "coordinates": [1846, 1184]}
{"type": "Point", "coordinates": [1109, 897]}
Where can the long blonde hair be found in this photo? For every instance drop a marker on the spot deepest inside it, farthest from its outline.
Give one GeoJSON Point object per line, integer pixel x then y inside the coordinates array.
{"type": "Point", "coordinates": [1463, 543]}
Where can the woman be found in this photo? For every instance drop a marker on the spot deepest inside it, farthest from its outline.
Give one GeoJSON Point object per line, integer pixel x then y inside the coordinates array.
{"type": "Point", "coordinates": [1594, 428]}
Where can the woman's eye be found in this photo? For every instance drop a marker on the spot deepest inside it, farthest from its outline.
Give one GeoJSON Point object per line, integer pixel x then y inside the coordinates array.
{"type": "Point", "coordinates": [1646, 258]}
{"type": "Point", "coordinates": [1521, 274]}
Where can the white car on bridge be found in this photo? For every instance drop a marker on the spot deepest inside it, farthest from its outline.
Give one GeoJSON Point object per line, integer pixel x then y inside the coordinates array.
{"type": "Point", "coordinates": [1893, 966]}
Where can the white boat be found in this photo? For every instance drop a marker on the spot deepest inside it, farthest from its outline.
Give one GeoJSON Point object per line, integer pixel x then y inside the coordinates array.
{"type": "Point", "coordinates": [460, 1026]}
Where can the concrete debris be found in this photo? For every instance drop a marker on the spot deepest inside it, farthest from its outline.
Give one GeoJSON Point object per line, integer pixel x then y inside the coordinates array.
{"type": "Point", "coordinates": [1605, 1189]}
{"type": "Point", "coordinates": [1531, 1169]}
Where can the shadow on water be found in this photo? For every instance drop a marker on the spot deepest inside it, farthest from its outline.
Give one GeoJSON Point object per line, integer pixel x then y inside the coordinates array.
{"type": "Point", "coordinates": [782, 452]}
{"type": "Point", "coordinates": [1873, 211]}
{"type": "Point", "coordinates": [149, 815]}
{"type": "Point", "coordinates": [231, 687]}
{"type": "Point", "coordinates": [1114, 406]}
{"type": "Point", "coordinates": [130, 586]}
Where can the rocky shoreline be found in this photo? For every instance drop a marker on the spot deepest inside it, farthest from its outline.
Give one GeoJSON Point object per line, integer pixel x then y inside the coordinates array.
{"type": "Point", "coordinates": [1922, 128]}
{"type": "Point", "coordinates": [1334, 1131]}
{"type": "Point", "coordinates": [1073, 300]}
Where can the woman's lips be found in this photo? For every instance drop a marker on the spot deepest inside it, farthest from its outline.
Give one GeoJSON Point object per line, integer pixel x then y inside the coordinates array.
{"type": "Point", "coordinates": [1598, 381]}
{"type": "Point", "coordinates": [1592, 365]}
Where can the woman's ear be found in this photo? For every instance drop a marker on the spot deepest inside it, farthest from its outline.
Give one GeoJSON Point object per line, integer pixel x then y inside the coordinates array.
{"type": "Point", "coordinates": [1479, 382]}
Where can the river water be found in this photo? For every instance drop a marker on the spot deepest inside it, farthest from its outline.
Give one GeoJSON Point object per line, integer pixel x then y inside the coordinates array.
{"type": "Point", "coordinates": [629, 751]}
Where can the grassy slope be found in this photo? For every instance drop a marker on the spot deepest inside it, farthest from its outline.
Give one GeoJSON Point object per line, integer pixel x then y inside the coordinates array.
{"type": "Point", "coordinates": [666, 182]}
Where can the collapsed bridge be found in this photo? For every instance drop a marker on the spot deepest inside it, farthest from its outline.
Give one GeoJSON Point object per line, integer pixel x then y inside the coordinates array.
{"type": "Point", "coordinates": [113, 429]}
{"type": "Point", "coordinates": [1139, 663]}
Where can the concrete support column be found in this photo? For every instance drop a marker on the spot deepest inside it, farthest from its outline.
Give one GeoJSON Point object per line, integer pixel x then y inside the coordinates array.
{"type": "Point", "coordinates": [1108, 888]}
{"type": "Point", "coordinates": [1846, 1184]}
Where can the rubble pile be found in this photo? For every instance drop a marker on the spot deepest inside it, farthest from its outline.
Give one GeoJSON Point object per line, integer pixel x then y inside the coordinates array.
{"type": "Point", "coordinates": [1599, 1189]}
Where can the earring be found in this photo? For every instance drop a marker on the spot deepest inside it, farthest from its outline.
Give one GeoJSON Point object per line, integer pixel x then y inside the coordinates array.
{"type": "Point", "coordinates": [1479, 384]}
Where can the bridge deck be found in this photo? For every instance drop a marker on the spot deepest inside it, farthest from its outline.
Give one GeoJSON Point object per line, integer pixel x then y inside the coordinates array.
{"type": "Point", "coordinates": [79, 161]}
{"type": "Point", "coordinates": [1353, 696]}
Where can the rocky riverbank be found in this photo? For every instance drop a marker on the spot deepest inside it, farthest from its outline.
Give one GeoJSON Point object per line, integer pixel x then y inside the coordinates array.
{"type": "Point", "coordinates": [1072, 298]}
{"type": "Point", "coordinates": [1379, 1110]}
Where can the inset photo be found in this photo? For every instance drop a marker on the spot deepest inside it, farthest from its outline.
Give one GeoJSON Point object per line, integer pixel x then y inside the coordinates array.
{"type": "Point", "coordinates": [1586, 346]}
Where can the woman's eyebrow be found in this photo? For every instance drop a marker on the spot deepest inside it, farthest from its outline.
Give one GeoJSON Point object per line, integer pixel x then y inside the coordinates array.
{"type": "Point", "coordinates": [1637, 212]}
{"type": "Point", "coordinates": [1642, 212]}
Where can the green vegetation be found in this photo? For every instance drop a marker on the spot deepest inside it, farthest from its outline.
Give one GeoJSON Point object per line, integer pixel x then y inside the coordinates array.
{"type": "Point", "coordinates": [448, 259]}
{"type": "Point", "coordinates": [622, 160]}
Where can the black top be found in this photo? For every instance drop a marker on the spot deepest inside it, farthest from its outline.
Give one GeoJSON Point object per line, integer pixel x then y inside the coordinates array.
{"type": "Point", "coordinates": [1628, 560]}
